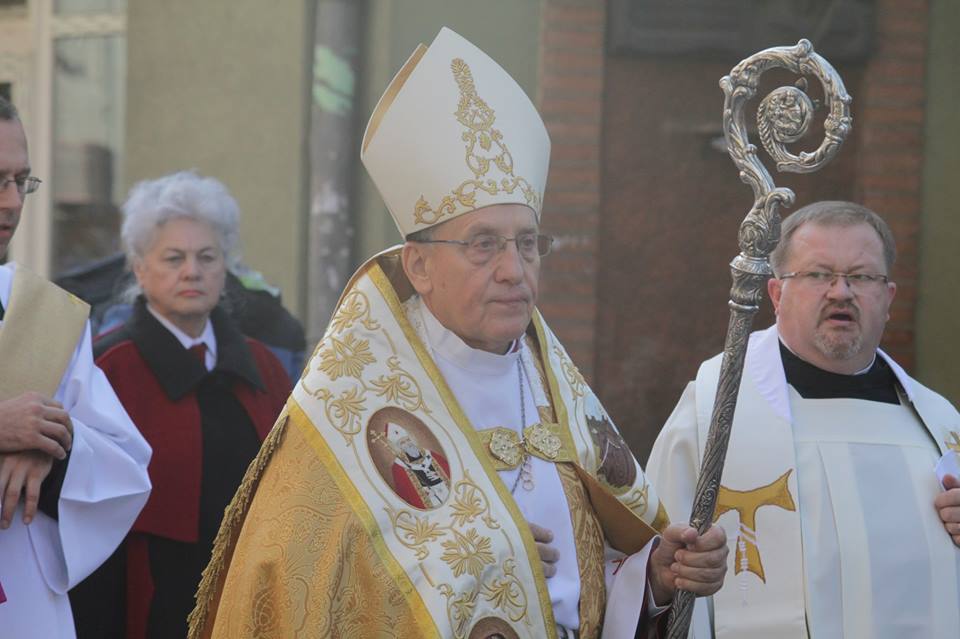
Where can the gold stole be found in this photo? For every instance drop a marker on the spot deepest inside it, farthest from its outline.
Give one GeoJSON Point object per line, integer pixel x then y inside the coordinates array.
{"type": "Point", "coordinates": [40, 331]}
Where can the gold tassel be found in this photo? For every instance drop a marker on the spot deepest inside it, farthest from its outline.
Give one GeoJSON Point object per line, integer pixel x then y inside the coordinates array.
{"type": "Point", "coordinates": [233, 519]}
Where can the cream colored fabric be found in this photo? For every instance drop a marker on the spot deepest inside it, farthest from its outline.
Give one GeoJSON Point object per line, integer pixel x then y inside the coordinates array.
{"type": "Point", "coordinates": [773, 496]}
{"type": "Point", "coordinates": [38, 308]}
{"type": "Point", "coordinates": [453, 133]}
{"type": "Point", "coordinates": [877, 561]}
{"type": "Point", "coordinates": [302, 566]}
{"type": "Point", "coordinates": [464, 566]}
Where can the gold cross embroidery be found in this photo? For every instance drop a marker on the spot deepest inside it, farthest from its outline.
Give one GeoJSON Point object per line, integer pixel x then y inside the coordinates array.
{"type": "Point", "coordinates": [747, 503]}
{"type": "Point", "coordinates": [953, 442]}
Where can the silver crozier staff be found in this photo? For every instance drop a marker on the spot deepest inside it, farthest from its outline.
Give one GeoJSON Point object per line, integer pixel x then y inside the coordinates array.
{"type": "Point", "coordinates": [783, 117]}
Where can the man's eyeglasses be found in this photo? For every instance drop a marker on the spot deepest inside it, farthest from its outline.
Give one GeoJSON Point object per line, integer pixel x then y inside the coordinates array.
{"type": "Point", "coordinates": [824, 279]}
{"type": "Point", "coordinates": [25, 185]}
{"type": "Point", "coordinates": [482, 248]}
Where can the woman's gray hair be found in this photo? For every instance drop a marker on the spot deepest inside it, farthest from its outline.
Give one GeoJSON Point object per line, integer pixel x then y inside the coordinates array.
{"type": "Point", "coordinates": [152, 203]}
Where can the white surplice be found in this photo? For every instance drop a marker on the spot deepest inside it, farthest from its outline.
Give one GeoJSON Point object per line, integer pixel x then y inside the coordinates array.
{"type": "Point", "coordinates": [863, 553]}
{"type": "Point", "coordinates": [105, 486]}
{"type": "Point", "coordinates": [487, 387]}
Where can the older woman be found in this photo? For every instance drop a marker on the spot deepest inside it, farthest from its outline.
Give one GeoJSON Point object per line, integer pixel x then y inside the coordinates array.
{"type": "Point", "coordinates": [202, 394]}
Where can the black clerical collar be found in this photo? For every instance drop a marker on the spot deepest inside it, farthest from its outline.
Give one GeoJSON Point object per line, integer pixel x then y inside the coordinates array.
{"type": "Point", "coordinates": [879, 384]}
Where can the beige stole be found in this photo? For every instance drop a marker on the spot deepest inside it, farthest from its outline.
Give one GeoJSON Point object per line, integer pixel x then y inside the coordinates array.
{"type": "Point", "coordinates": [758, 505]}
{"type": "Point", "coordinates": [762, 595]}
{"type": "Point", "coordinates": [40, 331]}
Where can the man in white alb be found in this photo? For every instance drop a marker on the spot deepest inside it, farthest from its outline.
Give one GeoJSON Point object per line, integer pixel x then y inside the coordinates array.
{"type": "Point", "coordinates": [73, 468]}
{"type": "Point", "coordinates": [843, 526]}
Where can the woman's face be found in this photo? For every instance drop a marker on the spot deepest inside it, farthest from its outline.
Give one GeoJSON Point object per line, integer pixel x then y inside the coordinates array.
{"type": "Point", "coordinates": [182, 272]}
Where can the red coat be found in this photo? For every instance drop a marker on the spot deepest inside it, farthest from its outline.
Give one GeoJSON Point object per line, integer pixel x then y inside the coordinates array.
{"type": "Point", "coordinates": [172, 428]}
{"type": "Point", "coordinates": [179, 407]}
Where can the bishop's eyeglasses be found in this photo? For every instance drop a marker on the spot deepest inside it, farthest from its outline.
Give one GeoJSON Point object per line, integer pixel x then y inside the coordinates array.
{"type": "Point", "coordinates": [856, 282]}
{"type": "Point", "coordinates": [25, 185]}
{"type": "Point", "coordinates": [482, 248]}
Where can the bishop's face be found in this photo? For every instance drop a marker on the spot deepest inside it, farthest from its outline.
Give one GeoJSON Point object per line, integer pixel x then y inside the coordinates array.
{"type": "Point", "coordinates": [834, 327]}
{"type": "Point", "coordinates": [486, 305]}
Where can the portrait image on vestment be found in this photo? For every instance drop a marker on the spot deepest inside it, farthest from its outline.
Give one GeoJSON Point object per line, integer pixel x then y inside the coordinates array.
{"type": "Point", "coordinates": [409, 458]}
{"type": "Point", "coordinates": [615, 462]}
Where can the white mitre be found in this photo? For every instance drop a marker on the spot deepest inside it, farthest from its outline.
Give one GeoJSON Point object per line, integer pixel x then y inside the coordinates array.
{"type": "Point", "coordinates": [453, 133]}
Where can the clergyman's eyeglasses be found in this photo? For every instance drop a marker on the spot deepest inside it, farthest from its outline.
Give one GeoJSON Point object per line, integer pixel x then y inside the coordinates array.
{"type": "Point", "coordinates": [25, 185]}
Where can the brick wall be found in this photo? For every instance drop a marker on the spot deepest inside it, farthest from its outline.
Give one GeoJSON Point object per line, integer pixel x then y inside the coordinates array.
{"type": "Point", "coordinates": [646, 214]}
{"type": "Point", "coordinates": [571, 103]}
{"type": "Point", "coordinates": [890, 115]}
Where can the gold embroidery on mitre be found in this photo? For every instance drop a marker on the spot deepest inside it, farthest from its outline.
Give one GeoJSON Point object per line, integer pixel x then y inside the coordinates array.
{"type": "Point", "coordinates": [478, 119]}
{"type": "Point", "coordinates": [507, 448]}
{"type": "Point", "coordinates": [747, 503]}
{"type": "Point", "coordinates": [953, 442]}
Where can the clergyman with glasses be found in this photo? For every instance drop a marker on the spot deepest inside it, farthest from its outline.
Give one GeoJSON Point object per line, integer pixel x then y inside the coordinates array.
{"type": "Point", "coordinates": [73, 468]}
{"type": "Point", "coordinates": [841, 475]}
{"type": "Point", "coordinates": [538, 530]}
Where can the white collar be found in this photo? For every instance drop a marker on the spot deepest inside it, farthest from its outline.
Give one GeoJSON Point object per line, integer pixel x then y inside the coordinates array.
{"type": "Point", "coordinates": [448, 345]}
{"type": "Point", "coordinates": [763, 359]}
{"type": "Point", "coordinates": [207, 336]}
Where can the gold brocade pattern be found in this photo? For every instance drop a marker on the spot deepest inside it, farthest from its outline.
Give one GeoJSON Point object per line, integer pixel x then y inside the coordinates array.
{"type": "Point", "coordinates": [341, 354]}
{"type": "Point", "coordinates": [571, 373]}
{"type": "Point", "coordinates": [589, 539]}
{"type": "Point", "coordinates": [485, 149]}
{"type": "Point", "coordinates": [304, 566]}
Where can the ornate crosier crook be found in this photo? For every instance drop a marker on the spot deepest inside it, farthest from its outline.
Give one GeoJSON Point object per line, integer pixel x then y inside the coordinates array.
{"type": "Point", "coordinates": [783, 117]}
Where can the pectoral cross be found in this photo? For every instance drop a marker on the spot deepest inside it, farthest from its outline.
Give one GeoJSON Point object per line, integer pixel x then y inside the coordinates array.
{"type": "Point", "coordinates": [747, 503]}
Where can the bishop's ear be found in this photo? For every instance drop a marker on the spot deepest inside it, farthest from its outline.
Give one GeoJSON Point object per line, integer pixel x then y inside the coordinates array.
{"type": "Point", "coordinates": [414, 258]}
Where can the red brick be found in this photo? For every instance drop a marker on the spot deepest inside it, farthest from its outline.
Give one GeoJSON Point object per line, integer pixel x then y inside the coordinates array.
{"type": "Point", "coordinates": [585, 132]}
{"type": "Point", "coordinates": [570, 61]}
{"type": "Point", "coordinates": [891, 163]}
{"type": "Point", "coordinates": [564, 204]}
{"type": "Point", "coordinates": [890, 206]}
{"type": "Point", "coordinates": [897, 183]}
{"type": "Point", "coordinates": [901, 50]}
{"type": "Point", "coordinates": [894, 95]}
{"type": "Point", "coordinates": [563, 84]}
{"type": "Point", "coordinates": [908, 25]}
{"type": "Point", "coordinates": [572, 154]}
{"type": "Point", "coordinates": [563, 39]}
{"type": "Point", "coordinates": [886, 8]}
{"type": "Point", "coordinates": [895, 72]}
{"type": "Point", "coordinates": [583, 223]}
{"type": "Point", "coordinates": [892, 115]}
{"type": "Point", "coordinates": [555, 15]}
{"type": "Point", "coordinates": [584, 109]}
{"type": "Point", "coordinates": [906, 137]}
